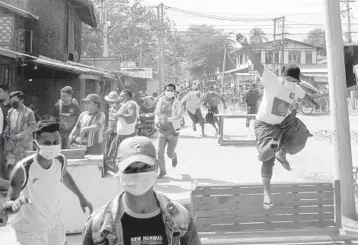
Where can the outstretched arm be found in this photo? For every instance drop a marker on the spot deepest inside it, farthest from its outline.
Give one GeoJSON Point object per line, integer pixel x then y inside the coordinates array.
{"type": "Point", "coordinates": [258, 66]}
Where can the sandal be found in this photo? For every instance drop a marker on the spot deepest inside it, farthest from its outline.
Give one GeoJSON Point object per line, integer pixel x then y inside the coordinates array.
{"type": "Point", "coordinates": [284, 164]}
{"type": "Point", "coordinates": [268, 205]}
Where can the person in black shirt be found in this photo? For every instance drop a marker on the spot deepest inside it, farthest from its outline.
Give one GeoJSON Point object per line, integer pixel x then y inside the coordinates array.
{"type": "Point", "coordinates": [66, 112]}
{"type": "Point", "coordinates": [144, 215]}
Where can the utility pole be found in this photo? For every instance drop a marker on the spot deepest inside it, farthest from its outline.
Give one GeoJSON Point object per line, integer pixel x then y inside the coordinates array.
{"type": "Point", "coordinates": [282, 44]}
{"type": "Point", "coordinates": [105, 28]}
{"type": "Point", "coordinates": [140, 55]}
{"type": "Point", "coordinates": [160, 9]}
{"type": "Point", "coordinates": [274, 46]}
{"type": "Point", "coordinates": [338, 97]}
{"type": "Point", "coordinates": [281, 21]}
{"type": "Point", "coordinates": [349, 34]}
{"type": "Point", "coordinates": [224, 63]}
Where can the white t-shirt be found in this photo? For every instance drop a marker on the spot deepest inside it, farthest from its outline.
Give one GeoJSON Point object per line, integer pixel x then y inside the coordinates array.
{"type": "Point", "coordinates": [277, 98]}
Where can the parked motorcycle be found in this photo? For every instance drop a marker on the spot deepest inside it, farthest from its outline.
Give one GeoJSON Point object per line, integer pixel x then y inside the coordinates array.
{"type": "Point", "coordinates": [146, 125]}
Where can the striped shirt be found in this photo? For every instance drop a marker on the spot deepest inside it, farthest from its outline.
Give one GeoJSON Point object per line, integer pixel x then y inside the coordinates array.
{"type": "Point", "coordinates": [86, 119]}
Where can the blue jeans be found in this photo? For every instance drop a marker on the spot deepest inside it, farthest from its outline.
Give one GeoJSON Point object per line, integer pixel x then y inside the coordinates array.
{"type": "Point", "coordinates": [166, 140]}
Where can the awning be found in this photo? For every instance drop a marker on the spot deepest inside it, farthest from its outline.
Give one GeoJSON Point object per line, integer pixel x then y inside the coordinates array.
{"type": "Point", "coordinates": [18, 11]}
{"type": "Point", "coordinates": [86, 12]}
{"type": "Point", "coordinates": [72, 67]}
{"type": "Point", "coordinates": [69, 66]}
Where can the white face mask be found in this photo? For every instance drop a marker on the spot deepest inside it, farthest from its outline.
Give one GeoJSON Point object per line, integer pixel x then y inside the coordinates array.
{"type": "Point", "coordinates": [169, 94]}
{"type": "Point", "coordinates": [138, 184]}
{"type": "Point", "coordinates": [49, 151]}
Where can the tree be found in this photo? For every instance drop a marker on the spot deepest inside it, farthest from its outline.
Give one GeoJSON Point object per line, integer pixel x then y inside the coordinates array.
{"type": "Point", "coordinates": [317, 37]}
{"type": "Point", "coordinates": [205, 48]}
{"type": "Point", "coordinates": [134, 35]}
{"type": "Point", "coordinates": [257, 36]}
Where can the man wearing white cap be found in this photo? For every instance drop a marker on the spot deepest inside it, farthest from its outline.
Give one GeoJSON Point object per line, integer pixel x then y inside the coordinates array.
{"type": "Point", "coordinates": [140, 215]}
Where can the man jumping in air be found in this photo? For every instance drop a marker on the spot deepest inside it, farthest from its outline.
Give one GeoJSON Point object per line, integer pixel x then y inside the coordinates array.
{"type": "Point", "coordinates": [278, 132]}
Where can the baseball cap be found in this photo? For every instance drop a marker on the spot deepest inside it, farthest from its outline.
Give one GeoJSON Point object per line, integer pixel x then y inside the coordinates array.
{"type": "Point", "coordinates": [47, 126]}
{"type": "Point", "coordinates": [112, 97]}
{"type": "Point", "coordinates": [93, 97]}
{"type": "Point", "coordinates": [136, 149]}
{"type": "Point", "coordinates": [292, 70]}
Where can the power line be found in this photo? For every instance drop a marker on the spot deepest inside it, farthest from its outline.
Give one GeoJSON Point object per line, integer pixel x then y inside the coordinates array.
{"type": "Point", "coordinates": [210, 16]}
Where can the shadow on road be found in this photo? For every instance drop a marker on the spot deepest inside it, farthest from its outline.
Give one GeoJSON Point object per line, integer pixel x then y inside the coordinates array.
{"type": "Point", "coordinates": [197, 137]}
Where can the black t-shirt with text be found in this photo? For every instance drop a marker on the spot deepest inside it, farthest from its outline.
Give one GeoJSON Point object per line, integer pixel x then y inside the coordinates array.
{"type": "Point", "coordinates": [66, 115]}
{"type": "Point", "coordinates": [144, 231]}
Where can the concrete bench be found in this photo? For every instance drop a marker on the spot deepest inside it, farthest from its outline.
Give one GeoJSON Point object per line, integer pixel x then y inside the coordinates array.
{"type": "Point", "coordinates": [303, 213]}
{"type": "Point", "coordinates": [221, 118]}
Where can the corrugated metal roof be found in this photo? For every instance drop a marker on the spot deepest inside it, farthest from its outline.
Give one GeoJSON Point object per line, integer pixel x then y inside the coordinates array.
{"type": "Point", "coordinates": [68, 66]}
{"type": "Point", "coordinates": [18, 11]}
{"type": "Point", "coordinates": [71, 66]}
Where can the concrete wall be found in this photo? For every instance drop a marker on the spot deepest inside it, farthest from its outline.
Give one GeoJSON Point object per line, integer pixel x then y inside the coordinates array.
{"type": "Point", "coordinates": [96, 189]}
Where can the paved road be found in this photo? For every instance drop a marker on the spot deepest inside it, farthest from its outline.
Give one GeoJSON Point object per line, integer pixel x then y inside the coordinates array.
{"type": "Point", "coordinates": [203, 159]}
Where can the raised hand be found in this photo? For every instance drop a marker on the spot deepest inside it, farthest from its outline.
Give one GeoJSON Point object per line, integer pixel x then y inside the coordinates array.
{"type": "Point", "coordinates": [241, 39]}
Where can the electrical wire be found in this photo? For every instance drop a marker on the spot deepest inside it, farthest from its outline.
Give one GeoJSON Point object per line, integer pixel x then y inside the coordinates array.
{"type": "Point", "coordinates": [210, 16]}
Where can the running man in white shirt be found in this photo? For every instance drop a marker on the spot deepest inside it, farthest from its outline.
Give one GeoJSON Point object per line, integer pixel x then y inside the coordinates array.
{"type": "Point", "coordinates": [278, 132]}
{"type": "Point", "coordinates": [193, 102]}
{"type": "Point", "coordinates": [39, 178]}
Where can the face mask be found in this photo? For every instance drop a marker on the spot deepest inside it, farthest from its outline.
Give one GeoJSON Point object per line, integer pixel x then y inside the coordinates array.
{"type": "Point", "coordinates": [288, 85]}
{"type": "Point", "coordinates": [138, 184]}
{"type": "Point", "coordinates": [49, 151]}
{"type": "Point", "coordinates": [169, 94]}
{"type": "Point", "coordinates": [15, 104]}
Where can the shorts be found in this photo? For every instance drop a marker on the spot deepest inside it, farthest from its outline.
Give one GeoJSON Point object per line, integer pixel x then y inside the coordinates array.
{"type": "Point", "coordinates": [53, 236]}
{"type": "Point", "coordinates": [197, 117]}
{"type": "Point", "coordinates": [251, 109]}
{"type": "Point", "coordinates": [210, 116]}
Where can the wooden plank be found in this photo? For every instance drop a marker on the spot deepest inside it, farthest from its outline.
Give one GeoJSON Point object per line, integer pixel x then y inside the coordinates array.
{"type": "Point", "coordinates": [257, 189]}
{"type": "Point", "coordinates": [327, 231]}
{"type": "Point", "coordinates": [258, 204]}
{"type": "Point", "coordinates": [261, 211]}
{"type": "Point", "coordinates": [264, 226]}
{"type": "Point", "coordinates": [252, 116]}
{"type": "Point", "coordinates": [263, 218]}
{"type": "Point", "coordinates": [245, 198]}
{"type": "Point", "coordinates": [282, 240]}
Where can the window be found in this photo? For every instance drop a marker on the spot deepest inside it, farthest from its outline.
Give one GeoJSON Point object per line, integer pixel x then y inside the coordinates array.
{"type": "Point", "coordinates": [294, 57]}
{"type": "Point", "coordinates": [268, 57]}
{"type": "Point", "coordinates": [7, 74]}
{"type": "Point", "coordinates": [308, 57]}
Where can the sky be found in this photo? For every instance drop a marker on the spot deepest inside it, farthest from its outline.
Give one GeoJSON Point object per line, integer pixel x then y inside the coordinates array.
{"type": "Point", "coordinates": [301, 15]}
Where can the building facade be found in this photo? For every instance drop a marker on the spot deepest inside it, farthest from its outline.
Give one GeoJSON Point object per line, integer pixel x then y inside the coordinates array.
{"type": "Point", "coordinates": [302, 54]}
{"type": "Point", "coordinates": [40, 50]}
